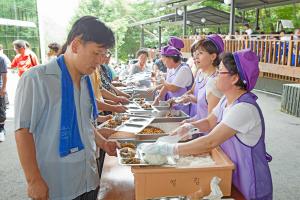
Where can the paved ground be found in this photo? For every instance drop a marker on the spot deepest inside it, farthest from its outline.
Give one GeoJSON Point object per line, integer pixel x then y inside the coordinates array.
{"type": "Point", "coordinates": [283, 143]}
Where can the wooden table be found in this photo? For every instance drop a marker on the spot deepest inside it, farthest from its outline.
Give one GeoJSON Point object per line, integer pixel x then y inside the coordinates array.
{"type": "Point", "coordinates": [117, 182]}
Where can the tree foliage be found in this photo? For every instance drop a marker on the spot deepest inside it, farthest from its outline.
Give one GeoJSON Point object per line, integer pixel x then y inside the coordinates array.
{"type": "Point", "coordinates": [119, 15]}
{"type": "Point", "coordinates": [23, 10]}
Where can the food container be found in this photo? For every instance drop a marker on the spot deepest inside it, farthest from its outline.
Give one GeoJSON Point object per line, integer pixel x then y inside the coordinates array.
{"type": "Point", "coordinates": [139, 105]}
{"type": "Point", "coordinates": [161, 115]}
{"type": "Point", "coordinates": [141, 162]}
{"type": "Point", "coordinates": [165, 127]}
{"type": "Point", "coordinates": [176, 116]}
{"type": "Point", "coordinates": [153, 181]}
{"type": "Point", "coordinates": [162, 105]}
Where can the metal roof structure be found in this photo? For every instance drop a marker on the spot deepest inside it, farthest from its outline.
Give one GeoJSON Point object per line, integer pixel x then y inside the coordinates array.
{"type": "Point", "coordinates": [195, 17]}
{"type": "Point", "coordinates": [250, 4]}
{"type": "Point", "coordinates": [240, 4]}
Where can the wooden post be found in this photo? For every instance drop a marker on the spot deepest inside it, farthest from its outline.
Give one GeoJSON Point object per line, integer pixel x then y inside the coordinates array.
{"type": "Point", "coordinates": [297, 60]}
{"type": "Point", "coordinates": [274, 52]}
{"type": "Point", "coordinates": [284, 53]}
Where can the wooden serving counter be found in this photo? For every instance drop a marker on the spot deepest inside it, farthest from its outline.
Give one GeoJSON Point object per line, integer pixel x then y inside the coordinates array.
{"type": "Point", "coordinates": [117, 182]}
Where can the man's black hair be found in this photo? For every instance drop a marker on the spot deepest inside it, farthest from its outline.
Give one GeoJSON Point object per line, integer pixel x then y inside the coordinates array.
{"type": "Point", "coordinates": [90, 29]}
{"type": "Point", "coordinates": [54, 46]}
{"type": "Point", "coordinates": [18, 44]}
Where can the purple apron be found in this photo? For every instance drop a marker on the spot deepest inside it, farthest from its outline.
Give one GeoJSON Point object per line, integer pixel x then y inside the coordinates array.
{"type": "Point", "coordinates": [193, 108]}
{"type": "Point", "coordinates": [170, 77]}
{"type": "Point", "coordinates": [252, 174]}
{"type": "Point", "coordinates": [202, 105]}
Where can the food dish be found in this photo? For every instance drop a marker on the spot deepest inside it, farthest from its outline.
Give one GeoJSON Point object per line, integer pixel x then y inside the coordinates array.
{"type": "Point", "coordinates": [127, 152]}
{"type": "Point", "coordinates": [139, 100]}
{"type": "Point", "coordinates": [128, 155]}
{"type": "Point", "coordinates": [116, 121]}
{"type": "Point", "coordinates": [146, 106]}
{"type": "Point", "coordinates": [128, 144]}
{"type": "Point", "coordinates": [152, 130]}
{"type": "Point", "coordinates": [131, 161]}
{"type": "Point", "coordinates": [112, 124]}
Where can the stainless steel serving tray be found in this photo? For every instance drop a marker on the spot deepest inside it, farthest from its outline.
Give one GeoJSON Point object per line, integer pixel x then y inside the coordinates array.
{"type": "Point", "coordinates": [177, 116]}
{"type": "Point", "coordinates": [139, 154]}
{"type": "Point", "coordinates": [133, 125]}
{"type": "Point", "coordinates": [163, 105]}
{"type": "Point", "coordinates": [166, 127]}
{"type": "Point", "coordinates": [160, 116]}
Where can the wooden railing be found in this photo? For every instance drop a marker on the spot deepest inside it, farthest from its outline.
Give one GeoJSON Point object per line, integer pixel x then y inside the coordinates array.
{"type": "Point", "coordinates": [278, 59]}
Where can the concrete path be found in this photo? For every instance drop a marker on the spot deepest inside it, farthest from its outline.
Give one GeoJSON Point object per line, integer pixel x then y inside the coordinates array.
{"type": "Point", "coordinates": [282, 139]}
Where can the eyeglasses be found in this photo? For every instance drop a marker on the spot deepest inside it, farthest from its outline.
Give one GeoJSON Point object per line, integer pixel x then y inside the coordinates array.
{"type": "Point", "coordinates": [106, 54]}
{"type": "Point", "coordinates": [222, 72]}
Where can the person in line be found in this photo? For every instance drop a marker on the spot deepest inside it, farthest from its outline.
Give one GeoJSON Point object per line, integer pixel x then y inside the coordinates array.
{"type": "Point", "coordinates": [55, 113]}
{"type": "Point", "coordinates": [158, 66]}
{"type": "Point", "coordinates": [179, 78]}
{"type": "Point", "coordinates": [236, 124]}
{"type": "Point", "coordinates": [204, 95]}
{"type": "Point", "coordinates": [248, 30]}
{"type": "Point", "coordinates": [54, 49]}
{"type": "Point", "coordinates": [108, 86]}
{"type": "Point", "coordinates": [296, 35]}
{"type": "Point", "coordinates": [112, 103]}
{"type": "Point", "coordinates": [141, 66]}
{"type": "Point", "coordinates": [4, 64]}
{"type": "Point", "coordinates": [24, 59]}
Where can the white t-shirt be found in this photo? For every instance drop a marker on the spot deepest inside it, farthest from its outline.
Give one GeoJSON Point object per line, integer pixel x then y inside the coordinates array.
{"type": "Point", "coordinates": [183, 77]}
{"type": "Point", "coordinates": [212, 88]}
{"type": "Point", "coordinates": [245, 119]}
{"type": "Point", "coordinates": [249, 31]}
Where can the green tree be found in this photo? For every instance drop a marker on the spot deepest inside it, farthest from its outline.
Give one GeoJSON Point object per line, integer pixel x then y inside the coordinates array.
{"type": "Point", "coordinates": [120, 14]}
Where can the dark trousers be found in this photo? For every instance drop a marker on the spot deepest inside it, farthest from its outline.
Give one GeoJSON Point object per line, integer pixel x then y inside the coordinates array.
{"type": "Point", "coordinates": [91, 195]}
{"type": "Point", "coordinates": [100, 162]}
{"type": "Point", "coordinates": [2, 112]}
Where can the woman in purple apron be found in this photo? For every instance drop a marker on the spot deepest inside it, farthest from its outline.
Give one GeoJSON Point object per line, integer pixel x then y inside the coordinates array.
{"type": "Point", "coordinates": [237, 125]}
{"type": "Point", "coordinates": [203, 100]}
{"type": "Point", "coordinates": [179, 78]}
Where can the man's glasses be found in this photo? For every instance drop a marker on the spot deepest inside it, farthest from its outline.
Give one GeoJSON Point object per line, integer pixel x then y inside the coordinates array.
{"type": "Point", "coordinates": [105, 54]}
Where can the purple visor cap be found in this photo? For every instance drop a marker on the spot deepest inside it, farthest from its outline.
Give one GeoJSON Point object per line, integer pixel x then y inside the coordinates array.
{"type": "Point", "coordinates": [169, 51]}
{"type": "Point", "coordinates": [218, 41]}
{"type": "Point", "coordinates": [247, 65]}
{"type": "Point", "coordinates": [176, 42]}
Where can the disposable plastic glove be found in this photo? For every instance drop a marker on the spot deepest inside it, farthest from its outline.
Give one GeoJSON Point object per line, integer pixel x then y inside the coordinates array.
{"type": "Point", "coordinates": [186, 127]}
{"type": "Point", "coordinates": [160, 148]}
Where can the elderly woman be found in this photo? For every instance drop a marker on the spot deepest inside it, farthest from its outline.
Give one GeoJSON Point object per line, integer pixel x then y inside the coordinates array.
{"type": "Point", "coordinates": [141, 66]}
{"type": "Point", "coordinates": [179, 78]}
{"type": "Point", "coordinates": [236, 124]}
